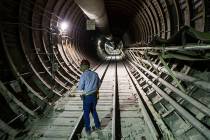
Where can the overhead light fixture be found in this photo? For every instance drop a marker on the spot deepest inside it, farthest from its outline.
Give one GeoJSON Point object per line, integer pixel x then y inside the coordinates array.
{"type": "Point", "coordinates": [108, 37]}
{"type": "Point", "coordinates": [64, 26]}
{"type": "Point", "coordinates": [99, 41]}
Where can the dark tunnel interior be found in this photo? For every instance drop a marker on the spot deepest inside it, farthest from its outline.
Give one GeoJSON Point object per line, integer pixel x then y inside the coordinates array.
{"type": "Point", "coordinates": [42, 43]}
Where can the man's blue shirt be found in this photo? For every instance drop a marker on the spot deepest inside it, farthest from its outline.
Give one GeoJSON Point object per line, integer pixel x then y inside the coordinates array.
{"type": "Point", "coordinates": [89, 82]}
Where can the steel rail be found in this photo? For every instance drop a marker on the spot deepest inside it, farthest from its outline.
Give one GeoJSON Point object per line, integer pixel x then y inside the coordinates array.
{"type": "Point", "coordinates": [114, 111]}
{"type": "Point", "coordinates": [196, 123]}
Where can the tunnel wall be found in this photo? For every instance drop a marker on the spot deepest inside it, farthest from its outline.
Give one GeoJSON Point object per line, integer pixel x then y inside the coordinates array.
{"type": "Point", "coordinates": [37, 68]}
{"type": "Point", "coordinates": [163, 18]}
{"type": "Point", "coordinates": [38, 64]}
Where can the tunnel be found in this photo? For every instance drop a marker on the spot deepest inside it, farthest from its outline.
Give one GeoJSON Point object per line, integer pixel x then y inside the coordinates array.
{"type": "Point", "coordinates": [152, 57]}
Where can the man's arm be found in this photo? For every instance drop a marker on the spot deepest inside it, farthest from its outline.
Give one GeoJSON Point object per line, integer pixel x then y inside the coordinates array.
{"type": "Point", "coordinates": [99, 82]}
{"type": "Point", "coordinates": [81, 84]}
{"type": "Point", "coordinates": [99, 85]}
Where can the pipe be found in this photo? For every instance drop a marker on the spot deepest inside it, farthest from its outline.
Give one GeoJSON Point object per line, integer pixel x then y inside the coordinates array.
{"type": "Point", "coordinates": [95, 9]}
{"type": "Point", "coordinates": [173, 48]}
{"type": "Point", "coordinates": [194, 102]}
{"type": "Point", "coordinates": [196, 123]}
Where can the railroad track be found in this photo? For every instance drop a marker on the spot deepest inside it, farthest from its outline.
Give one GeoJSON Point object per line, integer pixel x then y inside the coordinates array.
{"type": "Point", "coordinates": [63, 119]}
{"type": "Point", "coordinates": [120, 109]}
{"type": "Point", "coordinates": [168, 103]}
{"type": "Point", "coordinates": [134, 104]}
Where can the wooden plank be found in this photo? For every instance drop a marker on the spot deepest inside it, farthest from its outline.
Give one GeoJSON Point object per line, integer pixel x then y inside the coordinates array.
{"type": "Point", "coordinates": [9, 96]}
{"type": "Point", "coordinates": [7, 129]}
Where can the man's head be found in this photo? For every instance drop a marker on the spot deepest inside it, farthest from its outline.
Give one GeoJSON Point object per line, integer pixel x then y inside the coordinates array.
{"type": "Point", "coordinates": [85, 64]}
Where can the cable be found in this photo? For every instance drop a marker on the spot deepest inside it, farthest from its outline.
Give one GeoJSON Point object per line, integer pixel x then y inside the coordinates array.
{"type": "Point", "coordinates": [37, 6]}
{"type": "Point", "coordinates": [25, 25]}
{"type": "Point", "coordinates": [29, 9]}
{"type": "Point", "coordinates": [46, 29]}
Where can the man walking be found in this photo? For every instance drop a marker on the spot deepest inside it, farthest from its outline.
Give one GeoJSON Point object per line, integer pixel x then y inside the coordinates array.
{"type": "Point", "coordinates": [89, 83]}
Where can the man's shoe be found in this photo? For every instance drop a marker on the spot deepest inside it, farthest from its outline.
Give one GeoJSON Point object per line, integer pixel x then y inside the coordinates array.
{"type": "Point", "coordinates": [88, 132]}
{"type": "Point", "coordinates": [97, 128]}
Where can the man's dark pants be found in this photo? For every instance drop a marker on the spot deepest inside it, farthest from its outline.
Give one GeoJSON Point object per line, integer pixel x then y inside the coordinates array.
{"type": "Point", "coordinates": [89, 105]}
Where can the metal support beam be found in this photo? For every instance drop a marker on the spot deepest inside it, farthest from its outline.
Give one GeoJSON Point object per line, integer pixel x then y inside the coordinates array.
{"type": "Point", "coordinates": [147, 118]}
{"type": "Point", "coordinates": [197, 82]}
{"type": "Point", "coordinates": [191, 100]}
{"type": "Point", "coordinates": [196, 123]}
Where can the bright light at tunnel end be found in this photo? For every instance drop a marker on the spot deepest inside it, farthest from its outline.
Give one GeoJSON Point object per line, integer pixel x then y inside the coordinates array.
{"type": "Point", "coordinates": [64, 26]}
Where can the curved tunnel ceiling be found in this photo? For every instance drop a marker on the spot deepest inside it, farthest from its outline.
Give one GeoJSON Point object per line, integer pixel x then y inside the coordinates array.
{"type": "Point", "coordinates": [141, 20]}
{"type": "Point", "coordinates": [44, 64]}
{"type": "Point", "coordinates": [135, 21]}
